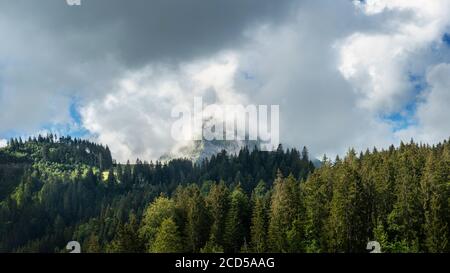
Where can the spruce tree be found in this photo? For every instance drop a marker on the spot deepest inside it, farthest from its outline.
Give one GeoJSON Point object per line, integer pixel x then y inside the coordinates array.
{"type": "Point", "coordinates": [167, 239]}
{"type": "Point", "coordinates": [259, 224]}
{"type": "Point", "coordinates": [285, 208]}
{"type": "Point", "coordinates": [236, 227]}
{"type": "Point", "coordinates": [197, 222]}
{"type": "Point", "coordinates": [217, 202]}
{"type": "Point", "coordinates": [158, 211]}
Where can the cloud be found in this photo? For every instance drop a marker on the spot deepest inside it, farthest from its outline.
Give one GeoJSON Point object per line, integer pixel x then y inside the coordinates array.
{"type": "Point", "coordinates": [145, 31]}
{"type": "Point", "coordinates": [296, 66]}
{"type": "Point", "coordinates": [378, 64]}
{"type": "Point", "coordinates": [279, 65]}
{"type": "Point", "coordinates": [52, 53]}
{"type": "Point", "coordinates": [337, 69]}
{"type": "Point", "coordinates": [41, 73]}
{"type": "Point", "coordinates": [433, 112]}
{"type": "Point", "coordinates": [3, 143]}
{"type": "Point", "coordinates": [135, 118]}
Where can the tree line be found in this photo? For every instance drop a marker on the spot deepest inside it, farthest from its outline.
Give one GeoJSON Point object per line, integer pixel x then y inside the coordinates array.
{"type": "Point", "coordinates": [254, 201]}
{"type": "Point", "coordinates": [57, 189]}
{"type": "Point", "coordinates": [399, 197]}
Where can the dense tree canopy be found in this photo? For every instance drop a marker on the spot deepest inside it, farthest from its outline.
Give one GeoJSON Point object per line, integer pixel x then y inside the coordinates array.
{"type": "Point", "coordinates": [57, 190]}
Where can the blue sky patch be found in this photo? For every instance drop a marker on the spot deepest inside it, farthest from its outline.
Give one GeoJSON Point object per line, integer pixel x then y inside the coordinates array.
{"type": "Point", "coordinates": [406, 117]}
{"type": "Point", "coordinates": [73, 128]}
{"type": "Point", "coordinates": [403, 119]}
{"type": "Point", "coordinates": [73, 109]}
{"type": "Point", "coordinates": [77, 129]}
{"type": "Point", "coordinates": [446, 39]}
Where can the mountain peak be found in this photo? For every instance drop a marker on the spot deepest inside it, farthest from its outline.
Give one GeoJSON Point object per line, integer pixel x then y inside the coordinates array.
{"type": "Point", "coordinates": [199, 150]}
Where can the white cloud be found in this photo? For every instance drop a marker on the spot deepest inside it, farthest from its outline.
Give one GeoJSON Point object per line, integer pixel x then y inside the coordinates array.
{"type": "Point", "coordinates": [433, 113]}
{"type": "Point", "coordinates": [135, 118]}
{"type": "Point", "coordinates": [377, 63]}
{"type": "Point", "coordinates": [333, 67]}
{"type": "Point", "coordinates": [296, 66]}
{"type": "Point", "coordinates": [3, 143]}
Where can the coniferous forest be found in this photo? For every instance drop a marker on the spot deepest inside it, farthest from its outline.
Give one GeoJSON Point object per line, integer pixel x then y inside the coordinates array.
{"type": "Point", "coordinates": [55, 190]}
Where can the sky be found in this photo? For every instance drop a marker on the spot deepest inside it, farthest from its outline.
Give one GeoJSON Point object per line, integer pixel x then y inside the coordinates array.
{"type": "Point", "coordinates": [345, 73]}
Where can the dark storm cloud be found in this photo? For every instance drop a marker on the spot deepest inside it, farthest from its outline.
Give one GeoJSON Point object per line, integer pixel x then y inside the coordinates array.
{"type": "Point", "coordinates": [50, 51]}
{"type": "Point", "coordinates": [141, 31]}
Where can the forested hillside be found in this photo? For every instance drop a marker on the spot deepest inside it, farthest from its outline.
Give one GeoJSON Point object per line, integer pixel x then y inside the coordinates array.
{"type": "Point", "coordinates": [53, 190]}
{"type": "Point", "coordinates": [57, 190]}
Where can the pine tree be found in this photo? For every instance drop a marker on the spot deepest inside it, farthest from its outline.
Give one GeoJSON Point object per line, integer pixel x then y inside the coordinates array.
{"type": "Point", "coordinates": [436, 230]}
{"type": "Point", "coordinates": [380, 235]}
{"type": "Point", "coordinates": [345, 226]}
{"type": "Point", "coordinates": [317, 194]}
{"type": "Point", "coordinates": [404, 221]}
{"type": "Point", "coordinates": [168, 239]}
{"type": "Point", "coordinates": [197, 222]}
{"type": "Point", "coordinates": [158, 211]}
{"type": "Point", "coordinates": [111, 181]}
{"type": "Point", "coordinates": [433, 184]}
{"type": "Point", "coordinates": [211, 247]}
{"type": "Point", "coordinates": [236, 223]}
{"type": "Point", "coordinates": [285, 208]}
{"type": "Point", "coordinates": [127, 176]}
{"type": "Point", "coordinates": [93, 244]}
{"type": "Point", "coordinates": [127, 238]}
{"type": "Point", "coordinates": [295, 237]}
{"type": "Point", "coordinates": [217, 202]}
{"type": "Point", "coordinates": [258, 229]}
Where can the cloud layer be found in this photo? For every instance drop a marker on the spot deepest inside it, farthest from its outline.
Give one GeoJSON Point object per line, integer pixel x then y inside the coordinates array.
{"type": "Point", "coordinates": [345, 73]}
